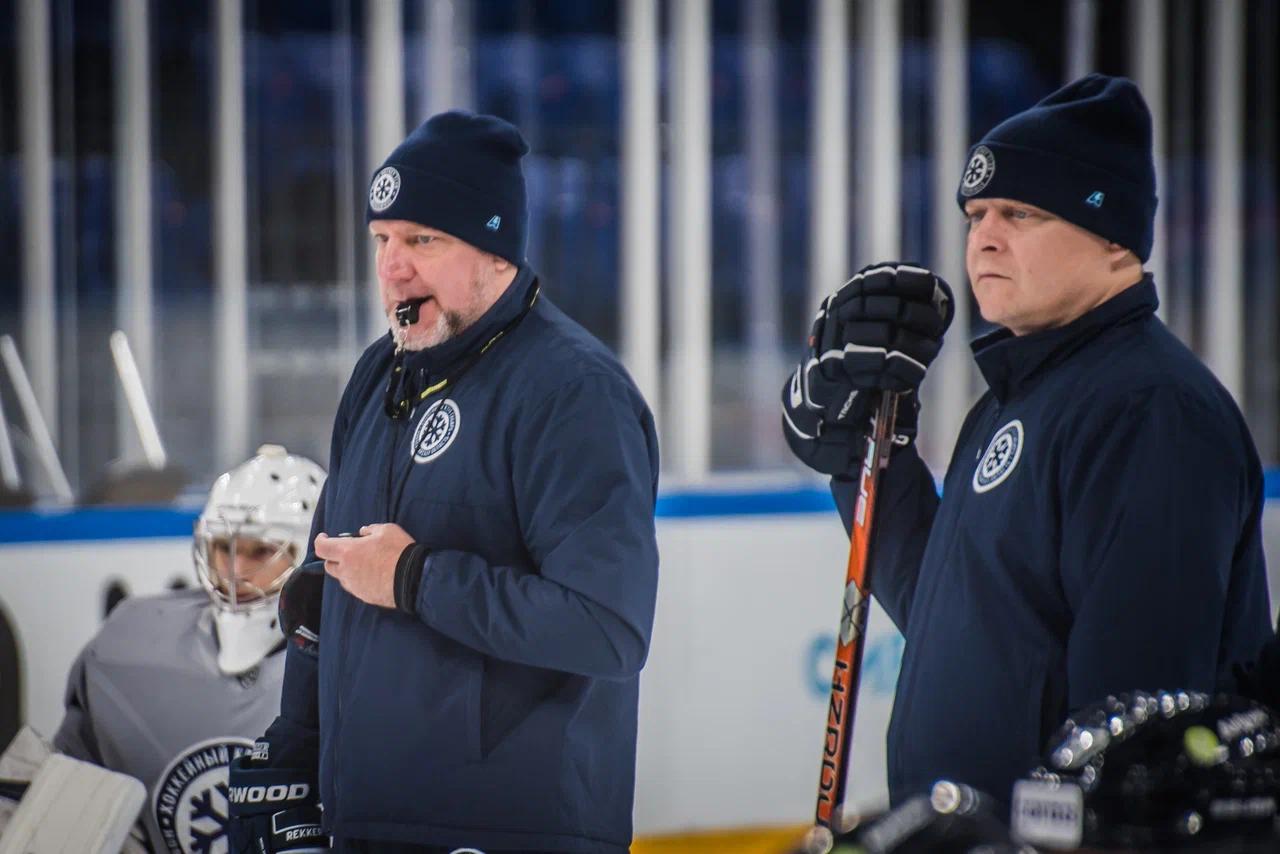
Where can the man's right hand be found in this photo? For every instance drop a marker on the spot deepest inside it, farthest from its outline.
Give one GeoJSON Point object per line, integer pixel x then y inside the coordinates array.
{"type": "Point", "coordinates": [879, 332]}
{"type": "Point", "coordinates": [273, 795]}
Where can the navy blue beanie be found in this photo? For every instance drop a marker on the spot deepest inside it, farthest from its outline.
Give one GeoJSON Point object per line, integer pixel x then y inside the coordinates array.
{"type": "Point", "coordinates": [460, 173]}
{"type": "Point", "coordinates": [1083, 153]}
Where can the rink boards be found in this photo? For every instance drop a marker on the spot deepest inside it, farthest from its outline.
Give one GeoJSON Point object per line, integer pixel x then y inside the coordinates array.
{"type": "Point", "coordinates": [733, 696]}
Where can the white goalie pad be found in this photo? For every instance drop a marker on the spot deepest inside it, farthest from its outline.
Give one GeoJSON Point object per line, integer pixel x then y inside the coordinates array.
{"type": "Point", "coordinates": [73, 806]}
{"type": "Point", "coordinates": [19, 763]}
{"type": "Point", "coordinates": [24, 756]}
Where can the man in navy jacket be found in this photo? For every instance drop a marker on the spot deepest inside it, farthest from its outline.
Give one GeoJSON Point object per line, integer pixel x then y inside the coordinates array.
{"type": "Point", "coordinates": [1099, 526]}
{"type": "Point", "coordinates": [468, 678]}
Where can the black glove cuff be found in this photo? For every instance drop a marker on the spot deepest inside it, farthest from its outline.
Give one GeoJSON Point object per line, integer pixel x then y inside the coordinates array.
{"type": "Point", "coordinates": [409, 570]}
{"type": "Point", "coordinates": [301, 601]}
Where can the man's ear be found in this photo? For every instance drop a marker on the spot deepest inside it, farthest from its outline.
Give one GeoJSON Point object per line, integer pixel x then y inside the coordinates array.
{"type": "Point", "coordinates": [1120, 258]}
{"type": "Point", "coordinates": [500, 264]}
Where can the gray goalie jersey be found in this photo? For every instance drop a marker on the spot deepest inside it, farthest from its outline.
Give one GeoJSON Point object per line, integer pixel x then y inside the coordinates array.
{"type": "Point", "coordinates": [146, 698]}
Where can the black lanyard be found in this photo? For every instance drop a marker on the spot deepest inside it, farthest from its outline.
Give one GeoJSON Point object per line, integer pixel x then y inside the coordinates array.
{"type": "Point", "coordinates": [396, 406]}
{"type": "Point", "coordinates": [401, 405]}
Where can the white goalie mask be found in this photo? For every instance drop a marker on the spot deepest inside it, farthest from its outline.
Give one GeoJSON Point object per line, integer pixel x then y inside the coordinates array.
{"type": "Point", "coordinates": [251, 536]}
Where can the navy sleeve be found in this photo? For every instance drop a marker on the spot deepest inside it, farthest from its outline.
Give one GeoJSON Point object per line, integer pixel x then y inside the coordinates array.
{"type": "Point", "coordinates": [585, 472]}
{"type": "Point", "coordinates": [905, 507]}
{"type": "Point", "coordinates": [301, 703]}
{"type": "Point", "coordinates": [299, 697]}
{"type": "Point", "coordinates": [1161, 556]}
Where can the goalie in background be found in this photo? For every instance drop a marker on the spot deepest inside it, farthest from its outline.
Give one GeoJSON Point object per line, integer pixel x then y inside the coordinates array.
{"type": "Point", "coordinates": [175, 686]}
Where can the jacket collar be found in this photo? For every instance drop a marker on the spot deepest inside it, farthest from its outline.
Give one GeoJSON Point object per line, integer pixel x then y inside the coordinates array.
{"type": "Point", "coordinates": [441, 358]}
{"type": "Point", "coordinates": [1009, 362]}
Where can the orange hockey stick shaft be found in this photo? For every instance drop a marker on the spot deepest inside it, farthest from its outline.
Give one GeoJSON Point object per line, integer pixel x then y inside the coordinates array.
{"type": "Point", "coordinates": [853, 622]}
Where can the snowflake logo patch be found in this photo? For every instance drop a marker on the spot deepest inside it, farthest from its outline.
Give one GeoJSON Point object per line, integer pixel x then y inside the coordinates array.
{"type": "Point", "coordinates": [436, 431]}
{"type": "Point", "coordinates": [1000, 459]}
{"type": "Point", "coordinates": [384, 189]}
{"type": "Point", "coordinates": [189, 802]}
{"type": "Point", "coordinates": [979, 172]}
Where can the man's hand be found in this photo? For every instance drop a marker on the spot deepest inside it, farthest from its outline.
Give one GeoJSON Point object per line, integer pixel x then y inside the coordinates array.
{"type": "Point", "coordinates": [365, 566]}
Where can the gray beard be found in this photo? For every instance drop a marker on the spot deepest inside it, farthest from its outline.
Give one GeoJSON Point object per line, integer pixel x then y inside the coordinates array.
{"type": "Point", "coordinates": [447, 325]}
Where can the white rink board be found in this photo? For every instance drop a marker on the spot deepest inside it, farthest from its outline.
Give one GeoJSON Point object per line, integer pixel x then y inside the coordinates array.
{"type": "Point", "coordinates": [53, 594]}
{"type": "Point", "coordinates": [732, 698]}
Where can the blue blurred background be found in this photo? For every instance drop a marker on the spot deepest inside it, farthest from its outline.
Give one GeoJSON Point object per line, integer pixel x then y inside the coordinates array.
{"type": "Point", "coordinates": [557, 69]}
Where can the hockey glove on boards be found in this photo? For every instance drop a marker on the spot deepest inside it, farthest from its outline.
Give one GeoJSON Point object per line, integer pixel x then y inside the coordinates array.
{"type": "Point", "coordinates": [879, 332]}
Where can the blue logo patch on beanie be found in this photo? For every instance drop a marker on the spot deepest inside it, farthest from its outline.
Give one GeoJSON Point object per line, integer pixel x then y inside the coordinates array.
{"type": "Point", "coordinates": [1095, 199]}
{"type": "Point", "coordinates": [494, 223]}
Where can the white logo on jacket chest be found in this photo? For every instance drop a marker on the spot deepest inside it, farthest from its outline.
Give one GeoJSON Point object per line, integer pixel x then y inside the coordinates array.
{"type": "Point", "coordinates": [436, 431]}
{"type": "Point", "coordinates": [1000, 459]}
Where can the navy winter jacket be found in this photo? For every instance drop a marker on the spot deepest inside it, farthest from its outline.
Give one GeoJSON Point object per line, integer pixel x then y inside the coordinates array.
{"type": "Point", "coordinates": [1098, 532]}
{"type": "Point", "coordinates": [503, 715]}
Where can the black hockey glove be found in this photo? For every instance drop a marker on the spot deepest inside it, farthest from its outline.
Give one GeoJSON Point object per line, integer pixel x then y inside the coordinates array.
{"type": "Point", "coordinates": [273, 796]}
{"type": "Point", "coordinates": [883, 328]}
{"type": "Point", "coordinates": [1153, 772]}
{"type": "Point", "coordinates": [827, 430]}
{"type": "Point", "coordinates": [878, 332]}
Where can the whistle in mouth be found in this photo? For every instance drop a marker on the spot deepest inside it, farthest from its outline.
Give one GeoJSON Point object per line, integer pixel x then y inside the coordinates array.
{"type": "Point", "coordinates": [407, 311]}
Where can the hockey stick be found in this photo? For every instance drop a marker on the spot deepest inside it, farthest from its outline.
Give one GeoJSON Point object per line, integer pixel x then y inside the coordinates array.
{"type": "Point", "coordinates": [36, 426]}
{"type": "Point", "coordinates": [853, 625]}
{"type": "Point", "coordinates": [8, 462]}
{"type": "Point", "coordinates": [135, 394]}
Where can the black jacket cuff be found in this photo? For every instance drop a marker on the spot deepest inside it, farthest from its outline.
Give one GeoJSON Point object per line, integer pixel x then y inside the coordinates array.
{"type": "Point", "coordinates": [409, 570]}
